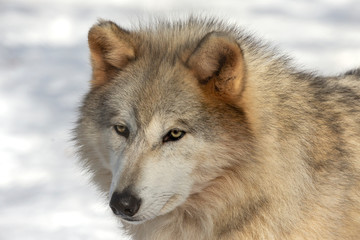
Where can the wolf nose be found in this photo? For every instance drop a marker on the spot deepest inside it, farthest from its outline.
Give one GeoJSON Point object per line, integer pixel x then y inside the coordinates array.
{"type": "Point", "coordinates": [124, 203]}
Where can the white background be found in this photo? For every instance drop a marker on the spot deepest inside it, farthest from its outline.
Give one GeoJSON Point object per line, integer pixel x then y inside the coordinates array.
{"type": "Point", "coordinates": [44, 72]}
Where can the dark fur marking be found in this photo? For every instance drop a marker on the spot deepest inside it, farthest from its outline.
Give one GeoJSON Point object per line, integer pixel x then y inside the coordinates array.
{"type": "Point", "coordinates": [102, 112]}
{"type": "Point", "coordinates": [222, 62]}
{"type": "Point", "coordinates": [205, 81]}
{"type": "Point", "coordinates": [353, 72]}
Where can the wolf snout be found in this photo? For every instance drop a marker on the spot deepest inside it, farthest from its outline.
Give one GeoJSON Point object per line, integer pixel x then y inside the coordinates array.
{"type": "Point", "coordinates": [125, 203]}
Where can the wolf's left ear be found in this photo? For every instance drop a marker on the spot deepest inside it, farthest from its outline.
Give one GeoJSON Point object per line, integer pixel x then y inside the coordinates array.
{"type": "Point", "coordinates": [111, 50]}
{"type": "Point", "coordinates": [218, 63]}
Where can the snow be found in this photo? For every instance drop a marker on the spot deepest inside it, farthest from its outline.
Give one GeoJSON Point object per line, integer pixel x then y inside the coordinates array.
{"type": "Point", "coordinates": [44, 72]}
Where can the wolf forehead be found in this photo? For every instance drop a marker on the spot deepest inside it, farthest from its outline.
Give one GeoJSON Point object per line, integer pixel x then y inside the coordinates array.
{"type": "Point", "coordinates": [124, 99]}
{"type": "Point", "coordinates": [134, 97]}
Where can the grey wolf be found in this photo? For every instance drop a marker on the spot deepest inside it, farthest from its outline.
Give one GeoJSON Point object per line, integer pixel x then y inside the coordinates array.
{"type": "Point", "coordinates": [196, 130]}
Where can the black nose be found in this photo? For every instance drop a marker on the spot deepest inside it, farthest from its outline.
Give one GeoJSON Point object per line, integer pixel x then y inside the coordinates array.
{"type": "Point", "coordinates": [124, 203]}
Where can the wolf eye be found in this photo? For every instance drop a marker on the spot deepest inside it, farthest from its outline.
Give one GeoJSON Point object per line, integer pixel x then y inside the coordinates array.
{"type": "Point", "coordinates": [173, 135]}
{"type": "Point", "coordinates": [122, 130]}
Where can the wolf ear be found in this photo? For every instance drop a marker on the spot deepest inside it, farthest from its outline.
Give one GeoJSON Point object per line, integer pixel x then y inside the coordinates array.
{"type": "Point", "coordinates": [111, 50]}
{"type": "Point", "coordinates": [218, 64]}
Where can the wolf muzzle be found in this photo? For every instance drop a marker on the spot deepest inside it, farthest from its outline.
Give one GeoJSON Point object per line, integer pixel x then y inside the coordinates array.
{"type": "Point", "coordinates": [125, 204]}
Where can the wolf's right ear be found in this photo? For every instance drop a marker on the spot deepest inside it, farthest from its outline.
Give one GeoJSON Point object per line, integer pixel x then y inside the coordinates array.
{"type": "Point", "coordinates": [111, 50]}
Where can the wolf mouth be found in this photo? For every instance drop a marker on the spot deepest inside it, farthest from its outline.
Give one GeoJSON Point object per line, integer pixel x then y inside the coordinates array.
{"type": "Point", "coordinates": [132, 220]}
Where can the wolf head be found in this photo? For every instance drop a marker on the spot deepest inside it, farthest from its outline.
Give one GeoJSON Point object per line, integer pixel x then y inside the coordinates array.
{"type": "Point", "coordinates": [161, 120]}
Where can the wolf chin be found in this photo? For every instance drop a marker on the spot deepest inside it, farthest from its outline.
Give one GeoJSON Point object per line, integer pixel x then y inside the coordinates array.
{"type": "Point", "coordinates": [196, 130]}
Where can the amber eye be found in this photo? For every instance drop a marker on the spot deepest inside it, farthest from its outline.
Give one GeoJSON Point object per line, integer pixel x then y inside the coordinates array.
{"type": "Point", "coordinates": [122, 130]}
{"type": "Point", "coordinates": [173, 135]}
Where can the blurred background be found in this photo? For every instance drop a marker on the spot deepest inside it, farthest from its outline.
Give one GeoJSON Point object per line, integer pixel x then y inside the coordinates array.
{"type": "Point", "coordinates": [45, 70]}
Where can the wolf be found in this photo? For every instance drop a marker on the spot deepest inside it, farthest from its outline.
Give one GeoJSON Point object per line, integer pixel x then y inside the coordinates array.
{"type": "Point", "coordinates": [195, 129]}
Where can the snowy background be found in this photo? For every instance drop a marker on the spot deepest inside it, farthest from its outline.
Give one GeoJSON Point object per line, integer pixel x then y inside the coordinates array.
{"type": "Point", "coordinates": [44, 72]}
